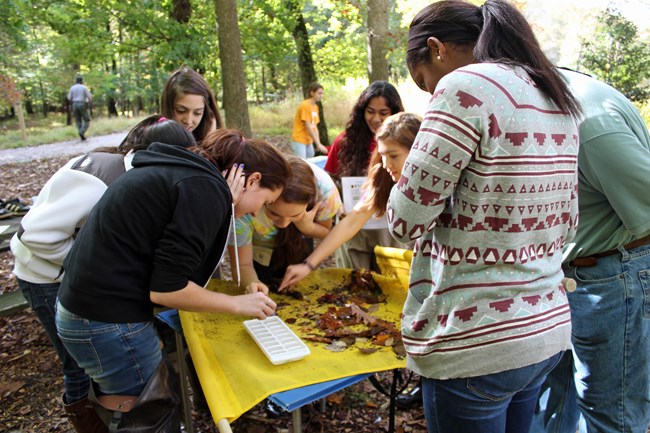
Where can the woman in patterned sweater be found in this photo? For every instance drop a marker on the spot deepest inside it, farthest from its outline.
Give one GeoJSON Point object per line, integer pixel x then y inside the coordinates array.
{"type": "Point", "coordinates": [488, 192]}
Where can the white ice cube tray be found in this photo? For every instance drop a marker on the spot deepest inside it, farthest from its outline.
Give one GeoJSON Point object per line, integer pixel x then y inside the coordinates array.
{"type": "Point", "coordinates": [278, 342]}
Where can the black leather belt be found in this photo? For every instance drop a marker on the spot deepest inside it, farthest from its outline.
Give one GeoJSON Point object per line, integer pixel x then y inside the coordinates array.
{"type": "Point", "coordinates": [592, 260]}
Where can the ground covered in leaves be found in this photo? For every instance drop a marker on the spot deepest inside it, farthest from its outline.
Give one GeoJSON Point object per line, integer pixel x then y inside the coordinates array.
{"type": "Point", "coordinates": [31, 383]}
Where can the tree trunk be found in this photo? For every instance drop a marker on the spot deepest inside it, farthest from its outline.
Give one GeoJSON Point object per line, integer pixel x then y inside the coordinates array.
{"type": "Point", "coordinates": [68, 109]}
{"type": "Point", "coordinates": [18, 107]}
{"type": "Point", "coordinates": [264, 90]}
{"type": "Point", "coordinates": [232, 67]}
{"type": "Point", "coordinates": [111, 104]}
{"type": "Point", "coordinates": [182, 11]}
{"type": "Point", "coordinates": [139, 105]}
{"type": "Point", "coordinates": [322, 126]}
{"type": "Point", "coordinates": [28, 105]}
{"type": "Point", "coordinates": [303, 50]}
{"type": "Point", "coordinates": [306, 63]}
{"type": "Point", "coordinates": [377, 31]}
{"type": "Point", "coordinates": [273, 80]}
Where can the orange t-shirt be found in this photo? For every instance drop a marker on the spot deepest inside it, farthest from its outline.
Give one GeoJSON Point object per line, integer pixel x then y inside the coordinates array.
{"type": "Point", "coordinates": [307, 112]}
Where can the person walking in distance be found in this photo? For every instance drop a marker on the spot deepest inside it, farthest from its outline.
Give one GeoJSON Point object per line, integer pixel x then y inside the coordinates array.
{"type": "Point", "coordinates": [80, 98]}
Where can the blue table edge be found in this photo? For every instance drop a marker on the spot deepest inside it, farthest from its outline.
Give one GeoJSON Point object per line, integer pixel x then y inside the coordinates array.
{"type": "Point", "coordinates": [298, 397]}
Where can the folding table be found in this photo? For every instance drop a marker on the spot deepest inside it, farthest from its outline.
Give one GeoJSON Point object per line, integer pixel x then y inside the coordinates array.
{"type": "Point", "coordinates": [235, 375]}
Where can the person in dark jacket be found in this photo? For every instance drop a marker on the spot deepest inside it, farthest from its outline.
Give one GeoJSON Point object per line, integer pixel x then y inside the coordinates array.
{"type": "Point", "coordinates": [46, 235]}
{"type": "Point", "coordinates": [155, 238]}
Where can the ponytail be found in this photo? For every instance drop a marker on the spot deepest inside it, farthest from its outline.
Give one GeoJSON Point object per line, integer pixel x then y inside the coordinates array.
{"type": "Point", "coordinates": [226, 147]}
{"type": "Point", "coordinates": [498, 33]}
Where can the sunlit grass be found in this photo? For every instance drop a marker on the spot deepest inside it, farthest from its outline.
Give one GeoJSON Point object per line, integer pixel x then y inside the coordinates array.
{"type": "Point", "coordinates": [269, 119]}
{"type": "Point", "coordinates": [272, 119]}
{"type": "Point", "coordinates": [276, 118]}
{"type": "Point", "coordinates": [53, 129]}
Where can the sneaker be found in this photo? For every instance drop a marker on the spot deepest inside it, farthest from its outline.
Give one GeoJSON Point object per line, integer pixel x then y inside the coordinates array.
{"type": "Point", "coordinates": [82, 136]}
{"type": "Point", "coordinates": [4, 213]}
{"type": "Point", "coordinates": [14, 207]}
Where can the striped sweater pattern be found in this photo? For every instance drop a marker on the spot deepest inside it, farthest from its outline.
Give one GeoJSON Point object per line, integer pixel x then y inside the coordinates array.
{"type": "Point", "coordinates": [488, 192]}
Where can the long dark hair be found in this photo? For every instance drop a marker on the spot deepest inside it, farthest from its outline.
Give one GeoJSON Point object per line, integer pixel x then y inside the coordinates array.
{"type": "Point", "coordinates": [290, 245]}
{"type": "Point", "coordinates": [354, 153]}
{"type": "Point", "coordinates": [168, 132]}
{"type": "Point", "coordinates": [225, 147]}
{"type": "Point", "coordinates": [499, 34]}
{"type": "Point", "coordinates": [183, 81]}
{"type": "Point", "coordinates": [400, 128]}
{"type": "Point", "coordinates": [134, 140]}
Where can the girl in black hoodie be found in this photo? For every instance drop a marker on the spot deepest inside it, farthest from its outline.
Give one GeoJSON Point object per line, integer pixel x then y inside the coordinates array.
{"type": "Point", "coordinates": [155, 238]}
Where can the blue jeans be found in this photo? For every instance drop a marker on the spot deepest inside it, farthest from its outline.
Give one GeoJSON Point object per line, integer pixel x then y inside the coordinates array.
{"type": "Point", "coordinates": [494, 403]}
{"type": "Point", "coordinates": [42, 300]}
{"type": "Point", "coordinates": [610, 311]}
{"type": "Point", "coordinates": [557, 406]}
{"type": "Point", "coordinates": [119, 357]}
{"type": "Point", "coordinates": [302, 150]}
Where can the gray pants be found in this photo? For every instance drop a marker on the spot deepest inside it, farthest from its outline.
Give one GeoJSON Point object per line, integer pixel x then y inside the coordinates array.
{"type": "Point", "coordinates": [81, 114]}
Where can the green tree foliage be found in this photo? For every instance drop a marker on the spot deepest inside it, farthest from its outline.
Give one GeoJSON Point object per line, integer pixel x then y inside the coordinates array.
{"type": "Point", "coordinates": [615, 55]}
{"type": "Point", "coordinates": [12, 30]}
{"type": "Point", "coordinates": [126, 50]}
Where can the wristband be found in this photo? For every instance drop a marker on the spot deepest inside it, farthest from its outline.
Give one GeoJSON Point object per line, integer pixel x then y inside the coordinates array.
{"type": "Point", "coordinates": [305, 262]}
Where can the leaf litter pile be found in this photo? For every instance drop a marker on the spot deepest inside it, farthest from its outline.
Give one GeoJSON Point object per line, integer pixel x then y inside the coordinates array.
{"type": "Point", "coordinates": [348, 320]}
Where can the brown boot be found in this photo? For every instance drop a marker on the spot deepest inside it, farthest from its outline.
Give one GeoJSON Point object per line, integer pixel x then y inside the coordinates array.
{"type": "Point", "coordinates": [84, 418]}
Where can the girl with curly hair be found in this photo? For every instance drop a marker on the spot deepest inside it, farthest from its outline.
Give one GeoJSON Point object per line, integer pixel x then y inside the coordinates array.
{"type": "Point", "coordinates": [349, 156]}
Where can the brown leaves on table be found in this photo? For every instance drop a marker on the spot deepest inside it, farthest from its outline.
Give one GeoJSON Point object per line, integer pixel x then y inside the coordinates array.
{"type": "Point", "coordinates": [362, 316]}
{"type": "Point", "coordinates": [367, 350]}
{"type": "Point", "coordinates": [361, 281]}
{"type": "Point", "coordinates": [348, 320]}
{"type": "Point", "coordinates": [333, 298]}
{"type": "Point", "coordinates": [295, 294]}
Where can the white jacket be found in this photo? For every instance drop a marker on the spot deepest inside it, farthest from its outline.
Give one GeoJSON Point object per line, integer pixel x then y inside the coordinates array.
{"type": "Point", "coordinates": [47, 231]}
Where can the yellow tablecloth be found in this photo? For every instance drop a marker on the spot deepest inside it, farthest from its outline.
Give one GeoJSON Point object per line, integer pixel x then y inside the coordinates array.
{"type": "Point", "coordinates": [236, 375]}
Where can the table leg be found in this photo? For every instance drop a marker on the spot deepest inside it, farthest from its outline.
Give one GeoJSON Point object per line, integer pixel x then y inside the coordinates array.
{"type": "Point", "coordinates": [323, 405]}
{"type": "Point", "coordinates": [185, 397]}
{"type": "Point", "coordinates": [297, 420]}
{"type": "Point", "coordinates": [392, 395]}
{"type": "Point", "coordinates": [224, 426]}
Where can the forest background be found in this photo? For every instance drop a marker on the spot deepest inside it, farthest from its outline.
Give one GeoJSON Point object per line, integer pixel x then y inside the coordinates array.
{"type": "Point", "coordinates": [260, 55]}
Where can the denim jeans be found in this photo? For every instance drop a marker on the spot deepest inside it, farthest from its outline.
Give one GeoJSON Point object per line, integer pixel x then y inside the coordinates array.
{"type": "Point", "coordinates": [610, 311]}
{"type": "Point", "coordinates": [494, 403]}
{"type": "Point", "coordinates": [557, 406]}
{"type": "Point", "coordinates": [119, 357]}
{"type": "Point", "coordinates": [302, 150]}
{"type": "Point", "coordinates": [42, 300]}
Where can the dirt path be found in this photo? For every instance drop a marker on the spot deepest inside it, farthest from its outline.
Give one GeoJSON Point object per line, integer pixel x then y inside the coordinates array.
{"type": "Point", "coordinates": [75, 147]}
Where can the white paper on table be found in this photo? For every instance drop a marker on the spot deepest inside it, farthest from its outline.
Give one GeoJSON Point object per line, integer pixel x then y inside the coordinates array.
{"type": "Point", "coordinates": [352, 193]}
